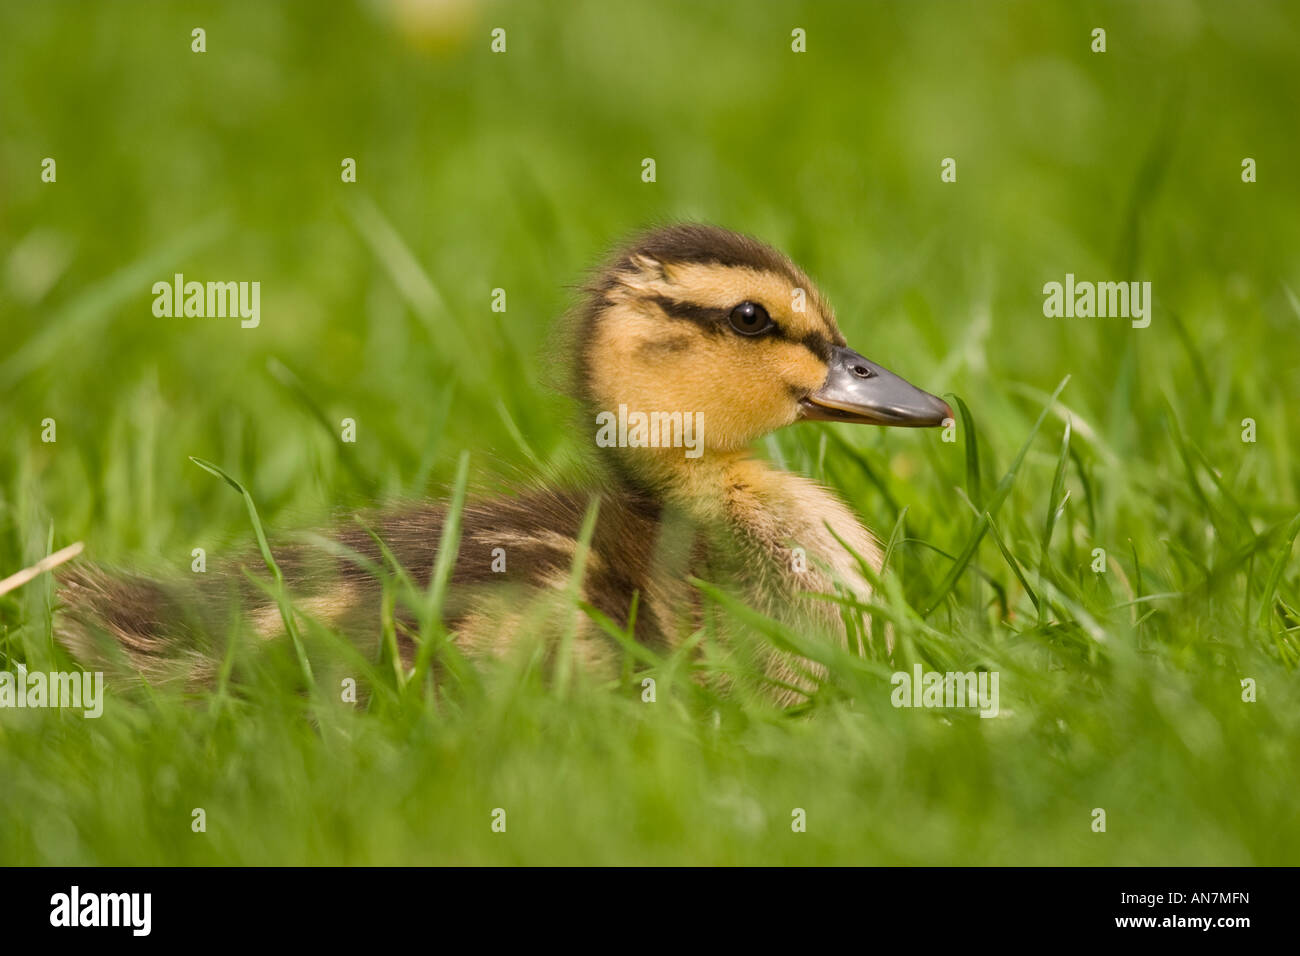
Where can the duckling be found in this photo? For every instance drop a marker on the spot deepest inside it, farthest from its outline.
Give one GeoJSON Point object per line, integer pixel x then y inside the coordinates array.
{"type": "Point", "coordinates": [697, 341]}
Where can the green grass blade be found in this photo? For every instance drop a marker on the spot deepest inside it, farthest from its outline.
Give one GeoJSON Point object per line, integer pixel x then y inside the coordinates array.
{"type": "Point", "coordinates": [577, 573]}
{"type": "Point", "coordinates": [281, 592]}
{"type": "Point", "coordinates": [1012, 562]}
{"type": "Point", "coordinates": [432, 635]}
{"type": "Point", "coordinates": [971, 438]}
{"type": "Point", "coordinates": [1279, 566]}
{"type": "Point", "coordinates": [1055, 500]}
{"type": "Point", "coordinates": [1000, 493]}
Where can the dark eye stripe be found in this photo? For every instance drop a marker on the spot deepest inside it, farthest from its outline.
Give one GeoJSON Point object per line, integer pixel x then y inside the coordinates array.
{"type": "Point", "coordinates": [716, 321]}
{"type": "Point", "coordinates": [707, 318]}
{"type": "Point", "coordinates": [816, 343]}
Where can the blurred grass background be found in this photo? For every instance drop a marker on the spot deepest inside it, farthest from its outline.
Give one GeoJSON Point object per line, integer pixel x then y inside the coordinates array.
{"type": "Point", "coordinates": [479, 171]}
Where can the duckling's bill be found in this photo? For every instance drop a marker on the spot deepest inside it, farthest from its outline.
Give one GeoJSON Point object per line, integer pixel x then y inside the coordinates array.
{"type": "Point", "coordinates": [859, 390]}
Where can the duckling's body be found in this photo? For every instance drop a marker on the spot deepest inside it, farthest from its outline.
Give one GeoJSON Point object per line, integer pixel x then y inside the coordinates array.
{"type": "Point", "coordinates": [689, 319]}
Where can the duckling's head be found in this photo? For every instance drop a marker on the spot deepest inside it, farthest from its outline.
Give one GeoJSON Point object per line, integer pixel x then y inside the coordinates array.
{"type": "Point", "coordinates": [698, 319]}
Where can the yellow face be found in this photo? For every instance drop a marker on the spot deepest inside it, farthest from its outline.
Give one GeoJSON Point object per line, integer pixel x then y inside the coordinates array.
{"type": "Point", "coordinates": [739, 339]}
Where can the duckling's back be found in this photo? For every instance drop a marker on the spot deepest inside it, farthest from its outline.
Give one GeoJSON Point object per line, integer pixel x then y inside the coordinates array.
{"type": "Point", "coordinates": [513, 575]}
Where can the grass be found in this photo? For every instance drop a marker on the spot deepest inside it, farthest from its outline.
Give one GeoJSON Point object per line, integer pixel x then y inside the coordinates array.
{"type": "Point", "coordinates": [1120, 689]}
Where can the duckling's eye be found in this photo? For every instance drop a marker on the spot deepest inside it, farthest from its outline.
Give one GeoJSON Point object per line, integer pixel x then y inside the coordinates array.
{"type": "Point", "coordinates": [750, 318]}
